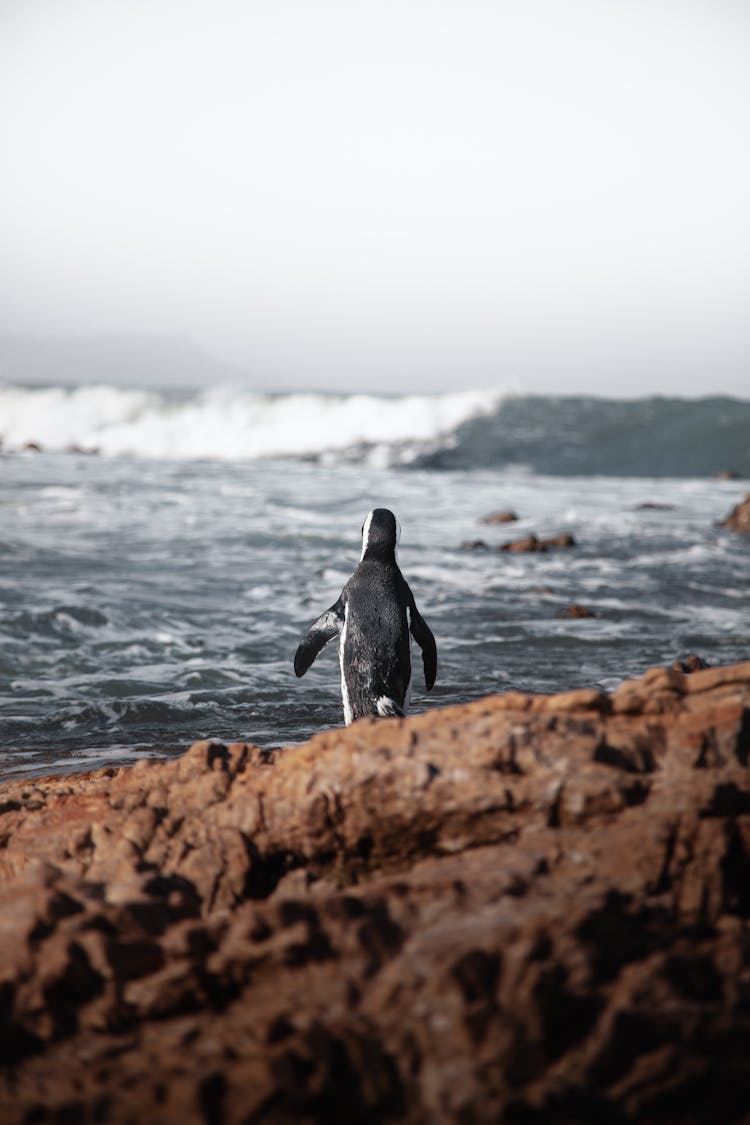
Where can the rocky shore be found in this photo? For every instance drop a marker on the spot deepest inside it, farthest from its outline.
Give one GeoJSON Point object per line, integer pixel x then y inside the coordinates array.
{"type": "Point", "coordinates": [524, 909]}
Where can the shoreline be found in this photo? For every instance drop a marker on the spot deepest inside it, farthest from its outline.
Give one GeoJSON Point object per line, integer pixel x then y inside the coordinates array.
{"type": "Point", "coordinates": [527, 908]}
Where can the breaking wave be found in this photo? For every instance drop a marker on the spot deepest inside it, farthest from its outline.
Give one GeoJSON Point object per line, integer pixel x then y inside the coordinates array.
{"type": "Point", "coordinates": [235, 425]}
{"type": "Point", "coordinates": [482, 429]}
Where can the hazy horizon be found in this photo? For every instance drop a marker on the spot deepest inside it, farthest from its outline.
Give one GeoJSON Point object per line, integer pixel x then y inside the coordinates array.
{"type": "Point", "coordinates": [360, 197]}
{"type": "Point", "coordinates": [177, 364]}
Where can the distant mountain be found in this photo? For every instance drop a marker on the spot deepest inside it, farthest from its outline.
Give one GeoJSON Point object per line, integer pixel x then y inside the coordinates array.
{"type": "Point", "coordinates": [136, 361]}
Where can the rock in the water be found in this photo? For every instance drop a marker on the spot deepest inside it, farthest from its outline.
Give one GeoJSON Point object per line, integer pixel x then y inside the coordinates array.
{"type": "Point", "coordinates": [565, 540]}
{"type": "Point", "coordinates": [691, 663]}
{"type": "Point", "coordinates": [506, 516]}
{"type": "Point", "coordinates": [576, 611]}
{"type": "Point", "coordinates": [532, 543]}
{"type": "Point", "coordinates": [83, 450]}
{"type": "Point", "coordinates": [739, 517]}
{"type": "Point", "coordinates": [528, 543]}
{"type": "Point", "coordinates": [524, 909]}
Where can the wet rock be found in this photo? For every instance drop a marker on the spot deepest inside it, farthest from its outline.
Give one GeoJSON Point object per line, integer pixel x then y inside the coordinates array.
{"type": "Point", "coordinates": [528, 908]}
{"type": "Point", "coordinates": [691, 663]}
{"type": "Point", "coordinates": [474, 545]}
{"type": "Point", "coordinates": [565, 540]}
{"type": "Point", "coordinates": [532, 543]}
{"type": "Point", "coordinates": [739, 517]}
{"type": "Point", "coordinates": [505, 516]}
{"type": "Point", "coordinates": [83, 450]}
{"type": "Point", "coordinates": [576, 611]}
{"type": "Point", "coordinates": [528, 543]}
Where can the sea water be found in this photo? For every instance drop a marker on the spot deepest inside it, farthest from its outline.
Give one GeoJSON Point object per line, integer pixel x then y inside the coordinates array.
{"type": "Point", "coordinates": [154, 593]}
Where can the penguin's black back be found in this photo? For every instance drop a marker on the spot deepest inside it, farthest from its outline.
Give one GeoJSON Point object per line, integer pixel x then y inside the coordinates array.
{"type": "Point", "coordinates": [376, 651]}
{"type": "Point", "coordinates": [375, 617]}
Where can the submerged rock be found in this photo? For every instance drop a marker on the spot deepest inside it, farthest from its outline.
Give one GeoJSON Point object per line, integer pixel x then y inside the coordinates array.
{"type": "Point", "coordinates": [527, 908]}
{"type": "Point", "coordinates": [83, 450]}
{"type": "Point", "coordinates": [505, 516]}
{"type": "Point", "coordinates": [576, 611]}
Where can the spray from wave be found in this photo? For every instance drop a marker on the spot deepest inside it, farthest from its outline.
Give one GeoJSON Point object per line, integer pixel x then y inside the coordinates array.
{"type": "Point", "coordinates": [467, 430]}
{"type": "Point", "coordinates": [237, 425]}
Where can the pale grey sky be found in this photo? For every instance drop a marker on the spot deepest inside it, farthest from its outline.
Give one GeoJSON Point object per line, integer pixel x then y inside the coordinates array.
{"type": "Point", "coordinates": [387, 195]}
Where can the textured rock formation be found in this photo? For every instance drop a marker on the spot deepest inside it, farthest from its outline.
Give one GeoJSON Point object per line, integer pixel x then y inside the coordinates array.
{"type": "Point", "coordinates": [739, 517]}
{"type": "Point", "coordinates": [527, 909]}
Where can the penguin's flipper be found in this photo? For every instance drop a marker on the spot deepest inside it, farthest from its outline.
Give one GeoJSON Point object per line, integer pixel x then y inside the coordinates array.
{"type": "Point", "coordinates": [328, 625]}
{"type": "Point", "coordinates": [422, 634]}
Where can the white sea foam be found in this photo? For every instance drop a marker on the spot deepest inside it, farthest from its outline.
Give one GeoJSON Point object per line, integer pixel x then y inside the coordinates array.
{"type": "Point", "coordinates": [235, 425]}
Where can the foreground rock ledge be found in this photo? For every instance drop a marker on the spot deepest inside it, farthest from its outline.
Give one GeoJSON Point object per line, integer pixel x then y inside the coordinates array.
{"type": "Point", "coordinates": [525, 909]}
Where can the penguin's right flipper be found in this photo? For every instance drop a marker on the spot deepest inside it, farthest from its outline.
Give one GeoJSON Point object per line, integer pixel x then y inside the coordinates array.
{"type": "Point", "coordinates": [328, 625]}
{"type": "Point", "coordinates": [422, 634]}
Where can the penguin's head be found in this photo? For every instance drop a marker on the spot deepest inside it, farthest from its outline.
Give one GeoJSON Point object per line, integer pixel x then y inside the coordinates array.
{"type": "Point", "coordinates": [380, 534]}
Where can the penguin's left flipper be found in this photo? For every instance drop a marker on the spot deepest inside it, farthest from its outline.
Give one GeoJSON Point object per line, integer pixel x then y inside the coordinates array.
{"type": "Point", "coordinates": [422, 634]}
{"type": "Point", "coordinates": [328, 625]}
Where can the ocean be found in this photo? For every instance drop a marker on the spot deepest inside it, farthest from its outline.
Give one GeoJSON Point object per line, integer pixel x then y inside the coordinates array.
{"type": "Point", "coordinates": [162, 553]}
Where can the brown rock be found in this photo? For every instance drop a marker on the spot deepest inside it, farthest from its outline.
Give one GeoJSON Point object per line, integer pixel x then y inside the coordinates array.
{"type": "Point", "coordinates": [83, 450]}
{"type": "Point", "coordinates": [528, 543]}
{"type": "Point", "coordinates": [709, 678]}
{"type": "Point", "coordinates": [576, 611]}
{"type": "Point", "coordinates": [566, 540]}
{"type": "Point", "coordinates": [582, 699]}
{"type": "Point", "coordinates": [499, 517]}
{"type": "Point", "coordinates": [691, 663]}
{"type": "Point", "coordinates": [532, 543]}
{"type": "Point", "coordinates": [528, 908]}
{"type": "Point", "coordinates": [739, 517]}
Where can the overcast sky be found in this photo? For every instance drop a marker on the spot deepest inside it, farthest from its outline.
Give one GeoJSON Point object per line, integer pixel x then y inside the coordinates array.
{"type": "Point", "coordinates": [387, 195]}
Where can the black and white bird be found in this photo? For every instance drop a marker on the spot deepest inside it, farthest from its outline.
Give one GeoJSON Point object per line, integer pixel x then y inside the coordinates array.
{"type": "Point", "coordinates": [375, 617]}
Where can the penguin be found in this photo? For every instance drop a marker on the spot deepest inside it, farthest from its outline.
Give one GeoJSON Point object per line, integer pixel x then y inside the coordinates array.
{"type": "Point", "coordinates": [373, 618]}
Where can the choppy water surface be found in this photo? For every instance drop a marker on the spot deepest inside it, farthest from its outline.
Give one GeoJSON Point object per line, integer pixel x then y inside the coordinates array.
{"type": "Point", "coordinates": [147, 603]}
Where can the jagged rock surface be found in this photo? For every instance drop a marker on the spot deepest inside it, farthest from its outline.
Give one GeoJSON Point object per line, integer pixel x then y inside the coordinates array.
{"type": "Point", "coordinates": [739, 517]}
{"type": "Point", "coordinates": [527, 909]}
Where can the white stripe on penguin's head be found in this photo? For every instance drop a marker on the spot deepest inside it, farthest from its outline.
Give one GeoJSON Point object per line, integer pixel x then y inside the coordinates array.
{"type": "Point", "coordinates": [380, 534]}
{"type": "Point", "coordinates": [366, 534]}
